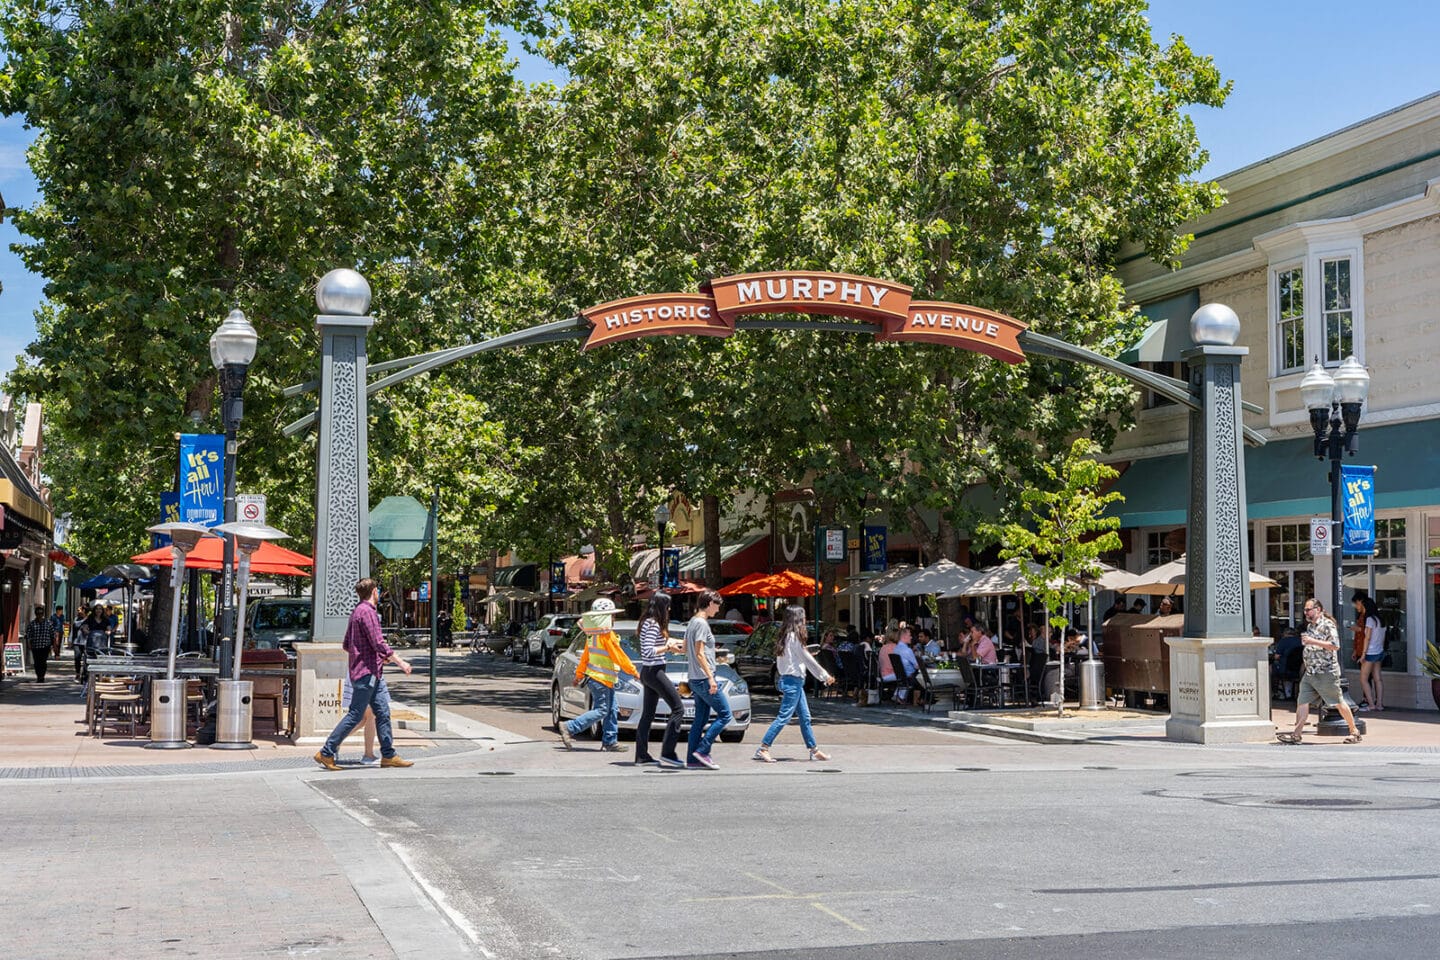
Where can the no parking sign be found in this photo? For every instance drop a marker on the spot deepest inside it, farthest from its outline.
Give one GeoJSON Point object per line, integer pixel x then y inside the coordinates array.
{"type": "Point", "coordinates": [1320, 535]}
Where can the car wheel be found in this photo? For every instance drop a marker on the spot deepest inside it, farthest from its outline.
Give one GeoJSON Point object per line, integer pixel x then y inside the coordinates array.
{"type": "Point", "coordinates": [555, 718]}
{"type": "Point", "coordinates": [736, 737]}
{"type": "Point", "coordinates": [547, 655]}
{"type": "Point", "coordinates": [530, 661]}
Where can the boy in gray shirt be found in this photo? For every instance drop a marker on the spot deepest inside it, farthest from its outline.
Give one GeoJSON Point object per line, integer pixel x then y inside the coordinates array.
{"type": "Point", "coordinates": [709, 698]}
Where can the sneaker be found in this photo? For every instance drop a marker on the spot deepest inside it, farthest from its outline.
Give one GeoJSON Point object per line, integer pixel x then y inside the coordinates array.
{"type": "Point", "coordinates": [762, 753]}
{"type": "Point", "coordinates": [396, 761]}
{"type": "Point", "coordinates": [1363, 708]}
{"type": "Point", "coordinates": [646, 762]}
{"type": "Point", "coordinates": [611, 748]}
{"type": "Point", "coordinates": [818, 754]}
{"type": "Point", "coordinates": [673, 762]}
{"type": "Point", "coordinates": [703, 759]}
{"type": "Point", "coordinates": [369, 761]}
{"type": "Point", "coordinates": [327, 762]}
{"type": "Point", "coordinates": [564, 736]}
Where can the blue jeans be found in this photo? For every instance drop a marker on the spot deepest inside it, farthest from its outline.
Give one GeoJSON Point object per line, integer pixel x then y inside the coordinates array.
{"type": "Point", "coordinates": [792, 701]}
{"type": "Point", "coordinates": [369, 691]}
{"type": "Point", "coordinates": [602, 708]}
{"type": "Point", "coordinates": [702, 738]}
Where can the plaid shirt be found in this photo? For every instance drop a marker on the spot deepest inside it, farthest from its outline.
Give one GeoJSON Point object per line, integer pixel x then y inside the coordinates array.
{"type": "Point", "coordinates": [365, 643]}
{"type": "Point", "coordinates": [39, 634]}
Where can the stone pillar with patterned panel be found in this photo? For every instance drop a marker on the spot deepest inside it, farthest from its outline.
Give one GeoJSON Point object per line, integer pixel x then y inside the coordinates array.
{"type": "Point", "coordinates": [1219, 671]}
{"type": "Point", "coordinates": [342, 501]}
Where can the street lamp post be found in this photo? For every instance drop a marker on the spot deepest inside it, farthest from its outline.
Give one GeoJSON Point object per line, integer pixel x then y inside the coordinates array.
{"type": "Point", "coordinates": [1334, 404]}
{"type": "Point", "coordinates": [232, 348]}
{"type": "Point", "coordinates": [662, 520]}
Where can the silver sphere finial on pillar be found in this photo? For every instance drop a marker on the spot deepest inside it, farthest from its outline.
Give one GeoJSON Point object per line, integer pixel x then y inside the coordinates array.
{"type": "Point", "coordinates": [343, 293]}
{"type": "Point", "coordinates": [1214, 325]}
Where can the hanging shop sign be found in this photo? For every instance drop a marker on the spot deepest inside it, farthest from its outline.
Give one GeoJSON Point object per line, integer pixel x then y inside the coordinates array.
{"type": "Point", "coordinates": [884, 303]}
{"type": "Point", "coordinates": [1357, 504]}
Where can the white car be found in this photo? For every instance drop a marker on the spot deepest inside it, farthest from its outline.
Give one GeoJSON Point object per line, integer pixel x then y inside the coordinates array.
{"type": "Point", "coordinates": [568, 701]}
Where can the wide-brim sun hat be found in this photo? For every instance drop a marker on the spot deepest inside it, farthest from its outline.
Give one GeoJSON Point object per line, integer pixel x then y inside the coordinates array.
{"type": "Point", "coordinates": [600, 615]}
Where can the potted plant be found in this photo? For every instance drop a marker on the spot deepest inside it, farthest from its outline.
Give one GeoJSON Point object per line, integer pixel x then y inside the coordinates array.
{"type": "Point", "coordinates": [1430, 665]}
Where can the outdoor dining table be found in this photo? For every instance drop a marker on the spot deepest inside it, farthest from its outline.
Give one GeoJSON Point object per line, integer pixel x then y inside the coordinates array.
{"type": "Point", "coordinates": [1004, 676]}
{"type": "Point", "coordinates": [148, 669]}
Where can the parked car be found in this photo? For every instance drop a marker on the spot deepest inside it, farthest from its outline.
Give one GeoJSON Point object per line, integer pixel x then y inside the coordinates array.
{"type": "Point", "coordinates": [568, 701]}
{"type": "Point", "coordinates": [277, 623]}
{"type": "Point", "coordinates": [754, 656]}
{"type": "Point", "coordinates": [548, 634]}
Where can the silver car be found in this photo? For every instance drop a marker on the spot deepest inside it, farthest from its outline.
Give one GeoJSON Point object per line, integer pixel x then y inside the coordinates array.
{"type": "Point", "coordinates": [548, 637]}
{"type": "Point", "coordinates": [568, 701]}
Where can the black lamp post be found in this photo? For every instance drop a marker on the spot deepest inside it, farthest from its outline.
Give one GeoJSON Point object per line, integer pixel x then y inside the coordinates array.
{"type": "Point", "coordinates": [1334, 403]}
{"type": "Point", "coordinates": [662, 520]}
{"type": "Point", "coordinates": [232, 348]}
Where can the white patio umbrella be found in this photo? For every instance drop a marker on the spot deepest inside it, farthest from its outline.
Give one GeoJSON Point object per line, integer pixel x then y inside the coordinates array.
{"type": "Point", "coordinates": [1169, 579]}
{"type": "Point", "coordinates": [1113, 578]}
{"type": "Point", "coordinates": [866, 588]}
{"type": "Point", "coordinates": [1008, 577]}
{"type": "Point", "coordinates": [941, 578]}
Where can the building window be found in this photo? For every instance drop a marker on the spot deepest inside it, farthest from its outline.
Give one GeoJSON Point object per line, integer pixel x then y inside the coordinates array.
{"type": "Point", "coordinates": [1290, 318]}
{"type": "Point", "coordinates": [1390, 539]}
{"type": "Point", "coordinates": [1170, 368]}
{"type": "Point", "coordinates": [1156, 551]}
{"type": "Point", "coordinates": [1432, 537]}
{"type": "Point", "coordinates": [1337, 313]}
{"type": "Point", "coordinates": [1287, 543]}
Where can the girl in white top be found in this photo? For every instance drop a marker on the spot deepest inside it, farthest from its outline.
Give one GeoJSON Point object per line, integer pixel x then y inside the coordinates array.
{"type": "Point", "coordinates": [792, 661]}
{"type": "Point", "coordinates": [1370, 683]}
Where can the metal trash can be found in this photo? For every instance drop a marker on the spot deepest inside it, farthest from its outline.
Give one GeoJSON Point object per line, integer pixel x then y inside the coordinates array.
{"type": "Point", "coordinates": [1092, 684]}
{"type": "Point", "coordinates": [167, 715]}
{"type": "Point", "coordinates": [234, 712]}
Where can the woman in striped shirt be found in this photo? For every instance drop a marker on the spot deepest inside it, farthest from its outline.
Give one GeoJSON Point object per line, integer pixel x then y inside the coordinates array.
{"type": "Point", "coordinates": [655, 642]}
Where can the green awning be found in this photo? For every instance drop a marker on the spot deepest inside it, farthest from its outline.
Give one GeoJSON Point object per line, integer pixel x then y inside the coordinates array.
{"type": "Point", "coordinates": [1168, 333]}
{"type": "Point", "coordinates": [1283, 478]}
{"type": "Point", "coordinates": [692, 559]}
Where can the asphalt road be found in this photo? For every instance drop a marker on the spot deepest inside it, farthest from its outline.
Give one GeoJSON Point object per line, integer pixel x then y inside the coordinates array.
{"type": "Point", "coordinates": [1064, 859]}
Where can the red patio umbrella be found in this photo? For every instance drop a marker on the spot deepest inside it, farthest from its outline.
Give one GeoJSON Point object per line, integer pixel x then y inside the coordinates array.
{"type": "Point", "coordinates": [209, 553]}
{"type": "Point", "coordinates": [785, 583]}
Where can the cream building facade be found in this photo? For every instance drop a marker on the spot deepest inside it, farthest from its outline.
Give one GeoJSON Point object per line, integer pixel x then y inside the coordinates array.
{"type": "Point", "coordinates": [1326, 250]}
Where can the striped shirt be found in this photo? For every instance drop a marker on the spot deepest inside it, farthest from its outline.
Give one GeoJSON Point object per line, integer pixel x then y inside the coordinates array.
{"type": "Point", "coordinates": [652, 644]}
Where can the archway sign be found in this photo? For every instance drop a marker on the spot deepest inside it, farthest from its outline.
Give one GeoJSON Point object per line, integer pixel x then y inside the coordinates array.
{"type": "Point", "coordinates": [887, 305]}
{"type": "Point", "coordinates": [1219, 672]}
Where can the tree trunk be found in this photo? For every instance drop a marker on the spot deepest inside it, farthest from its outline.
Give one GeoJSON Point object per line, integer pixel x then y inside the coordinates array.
{"type": "Point", "coordinates": [710, 505]}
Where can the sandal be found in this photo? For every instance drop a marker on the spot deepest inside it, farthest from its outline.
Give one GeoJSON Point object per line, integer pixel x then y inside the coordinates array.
{"type": "Point", "coordinates": [1288, 738]}
{"type": "Point", "coordinates": [1353, 738]}
{"type": "Point", "coordinates": [762, 753]}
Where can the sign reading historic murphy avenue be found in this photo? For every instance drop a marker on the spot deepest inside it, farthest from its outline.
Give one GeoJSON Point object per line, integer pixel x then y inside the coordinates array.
{"type": "Point", "coordinates": [884, 303]}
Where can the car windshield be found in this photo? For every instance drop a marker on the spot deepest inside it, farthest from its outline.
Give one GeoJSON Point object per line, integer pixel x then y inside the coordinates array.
{"type": "Point", "coordinates": [282, 616]}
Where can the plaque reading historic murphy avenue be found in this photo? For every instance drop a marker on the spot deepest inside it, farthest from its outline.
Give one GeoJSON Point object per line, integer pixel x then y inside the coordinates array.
{"type": "Point", "coordinates": [958, 325]}
{"type": "Point", "coordinates": [830, 294]}
{"type": "Point", "coordinates": [655, 314]}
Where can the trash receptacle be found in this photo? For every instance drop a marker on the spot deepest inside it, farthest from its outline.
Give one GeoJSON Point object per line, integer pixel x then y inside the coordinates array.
{"type": "Point", "coordinates": [167, 715]}
{"type": "Point", "coordinates": [234, 714]}
{"type": "Point", "coordinates": [1092, 685]}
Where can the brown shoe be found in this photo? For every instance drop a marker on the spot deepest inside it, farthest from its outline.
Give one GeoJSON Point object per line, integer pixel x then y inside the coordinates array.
{"type": "Point", "coordinates": [327, 762]}
{"type": "Point", "coordinates": [396, 761]}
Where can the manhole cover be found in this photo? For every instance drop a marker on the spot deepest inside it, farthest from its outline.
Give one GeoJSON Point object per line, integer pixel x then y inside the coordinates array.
{"type": "Point", "coordinates": [824, 770]}
{"type": "Point", "coordinates": [1099, 768]}
{"type": "Point", "coordinates": [497, 773]}
{"type": "Point", "coordinates": [1318, 802]}
{"type": "Point", "coordinates": [973, 769]}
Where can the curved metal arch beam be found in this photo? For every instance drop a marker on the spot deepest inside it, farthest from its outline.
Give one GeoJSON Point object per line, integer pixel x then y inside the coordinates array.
{"type": "Point", "coordinates": [1163, 385]}
{"type": "Point", "coordinates": [572, 328]}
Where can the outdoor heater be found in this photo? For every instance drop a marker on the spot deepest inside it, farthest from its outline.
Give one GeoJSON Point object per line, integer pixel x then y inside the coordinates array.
{"type": "Point", "coordinates": [167, 697]}
{"type": "Point", "coordinates": [236, 710]}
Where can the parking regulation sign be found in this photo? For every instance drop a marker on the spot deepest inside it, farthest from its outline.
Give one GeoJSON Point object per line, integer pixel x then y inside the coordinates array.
{"type": "Point", "coordinates": [250, 507]}
{"type": "Point", "coordinates": [1320, 535]}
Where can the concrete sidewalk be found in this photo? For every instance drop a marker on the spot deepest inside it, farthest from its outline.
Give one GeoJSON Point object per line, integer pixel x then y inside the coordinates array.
{"type": "Point", "coordinates": [43, 725]}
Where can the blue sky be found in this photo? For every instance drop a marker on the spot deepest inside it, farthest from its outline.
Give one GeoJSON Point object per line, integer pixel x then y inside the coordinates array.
{"type": "Point", "coordinates": [1302, 68]}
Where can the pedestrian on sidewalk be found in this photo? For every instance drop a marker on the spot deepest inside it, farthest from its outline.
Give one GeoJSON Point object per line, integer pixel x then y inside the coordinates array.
{"type": "Point", "coordinates": [704, 687]}
{"type": "Point", "coordinates": [369, 653]}
{"type": "Point", "coordinates": [1322, 673]}
{"type": "Point", "coordinates": [78, 634]}
{"type": "Point", "coordinates": [1370, 650]}
{"type": "Point", "coordinates": [792, 660]}
{"type": "Point", "coordinates": [600, 666]}
{"type": "Point", "coordinates": [40, 637]}
{"type": "Point", "coordinates": [57, 623]}
{"type": "Point", "coordinates": [655, 643]}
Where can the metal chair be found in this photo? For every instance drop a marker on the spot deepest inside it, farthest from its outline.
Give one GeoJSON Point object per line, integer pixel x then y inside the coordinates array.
{"type": "Point", "coordinates": [979, 692]}
{"type": "Point", "coordinates": [826, 659]}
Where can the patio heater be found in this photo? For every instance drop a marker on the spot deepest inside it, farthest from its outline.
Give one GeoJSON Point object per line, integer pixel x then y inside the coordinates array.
{"type": "Point", "coordinates": [235, 711]}
{"type": "Point", "coordinates": [167, 697]}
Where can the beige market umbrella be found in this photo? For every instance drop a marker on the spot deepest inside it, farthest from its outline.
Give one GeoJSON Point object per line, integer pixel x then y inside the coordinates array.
{"type": "Point", "coordinates": [1006, 578]}
{"type": "Point", "coordinates": [941, 578]}
{"type": "Point", "coordinates": [1168, 579]}
{"type": "Point", "coordinates": [866, 588]}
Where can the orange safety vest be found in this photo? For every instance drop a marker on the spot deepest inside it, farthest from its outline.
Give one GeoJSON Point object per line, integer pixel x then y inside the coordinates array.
{"type": "Point", "coordinates": [603, 659]}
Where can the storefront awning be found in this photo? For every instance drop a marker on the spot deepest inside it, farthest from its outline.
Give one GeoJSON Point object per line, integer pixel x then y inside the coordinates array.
{"type": "Point", "coordinates": [692, 559]}
{"type": "Point", "coordinates": [1169, 331]}
{"type": "Point", "coordinates": [1283, 478]}
{"type": "Point", "coordinates": [523, 575]}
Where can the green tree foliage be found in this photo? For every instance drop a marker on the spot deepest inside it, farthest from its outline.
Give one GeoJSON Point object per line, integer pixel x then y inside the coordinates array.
{"type": "Point", "coordinates": [1064, 531]}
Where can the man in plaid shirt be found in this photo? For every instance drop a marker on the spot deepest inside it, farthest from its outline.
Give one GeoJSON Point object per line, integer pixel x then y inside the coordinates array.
{"type": "Point", "coordinates": [39, 636]}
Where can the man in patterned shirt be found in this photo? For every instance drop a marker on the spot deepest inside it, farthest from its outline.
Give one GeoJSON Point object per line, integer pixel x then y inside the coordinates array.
{"type": "Point", "coordinates": [39, 636]}
{"type": "Point", "coordinates": [1321, 679]}
{"type": "Point", "coordinates": [368, 655]}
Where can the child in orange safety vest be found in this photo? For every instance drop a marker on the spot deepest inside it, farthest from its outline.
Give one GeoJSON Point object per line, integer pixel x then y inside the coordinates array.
{"type": "Point", "coordinates": [600, 666]}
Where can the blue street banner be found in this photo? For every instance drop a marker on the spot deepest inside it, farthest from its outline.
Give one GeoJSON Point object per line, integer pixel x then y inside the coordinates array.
{"type": "Point", "coordinates": [169, 513]}
{"type": "Point", "coordinates": [1357, 505]}
{"type": "Point", "coordinates": [557, 578]}
{"type": "Point", "coordinates": [202, 478]}
{"type": "Point", "coordinates": [464, 587]}
{"type": "Point", "coordinates": [424, 591]}
{"type": "Point", "coordinates": [670, 568]}
{"type": "Point", "coordinates": [872, 546]}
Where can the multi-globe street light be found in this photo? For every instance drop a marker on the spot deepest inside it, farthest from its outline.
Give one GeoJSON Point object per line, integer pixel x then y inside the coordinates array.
{"type": "Point", "coordinates": [232, 348]}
